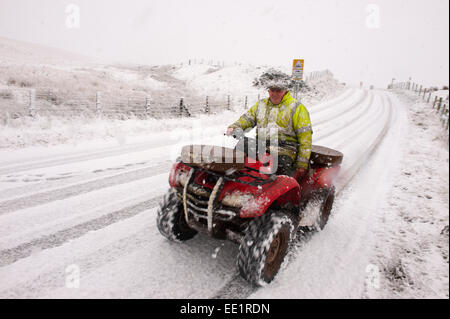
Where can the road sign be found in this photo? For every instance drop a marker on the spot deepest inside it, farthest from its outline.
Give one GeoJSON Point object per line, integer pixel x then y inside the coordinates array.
{"type": "Point", "coordinates": [297, 69]}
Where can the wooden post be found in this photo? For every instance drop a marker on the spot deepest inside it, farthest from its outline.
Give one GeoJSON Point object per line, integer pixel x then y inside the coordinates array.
{"type": "Point", "coordinates": [245, 104]}
{"type": "Point", "coordinates": [446, 124]}
{"type": "Point", "coordinates": [434, 103]}
{"type": "Point", "coordinates": [207, 105]}
{"type": "Point", "coordinates": [32, 105]}
{"type": "Point", "coordinates": [181, 107]}
{"type": "Point", "coordinates": [424, 91]}
{"type": "Point", "coordinates": [228, 103]}
{"type": "Point", "coordinates": [443, 110]}
{"type": "Point", "coordinates": [147, 106]}
{"type": "Point", "coordinates": [429, 96]}
{"type": "Point", "coordinates": [98, 102]}
{"type": "Point", "coordinates": [439, 104]}
{"type": "Point", "coordinates": [420, 90]}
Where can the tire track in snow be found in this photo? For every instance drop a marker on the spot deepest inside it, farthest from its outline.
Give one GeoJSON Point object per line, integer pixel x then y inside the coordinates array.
{"type": "Point", "coordinates": [12, 205]}
{"type": "Point", "coordinates": [335, 101]}
{"type": "Point", "coordinates": [348, 121]}
{"type": "Point", "coordinates": [11, 255]}
{"type": "Point", "coordinates": [339, 112]}
{"type": "Point", "coordinates": [68, 159]}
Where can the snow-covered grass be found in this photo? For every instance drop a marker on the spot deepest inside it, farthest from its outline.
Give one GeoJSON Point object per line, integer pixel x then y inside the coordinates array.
{"type": "Point", "coordinates": [50, 130]}
{"type": "Point", "coordinates": [413, 246]}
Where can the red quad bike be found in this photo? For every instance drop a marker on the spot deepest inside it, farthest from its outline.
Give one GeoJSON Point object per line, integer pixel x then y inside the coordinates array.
{"type": "Point", "coordinates": [232, 194]}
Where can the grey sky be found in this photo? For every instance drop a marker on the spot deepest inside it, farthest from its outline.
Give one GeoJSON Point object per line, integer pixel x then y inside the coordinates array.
{"type": "Point", "coordinates": [408, 38]}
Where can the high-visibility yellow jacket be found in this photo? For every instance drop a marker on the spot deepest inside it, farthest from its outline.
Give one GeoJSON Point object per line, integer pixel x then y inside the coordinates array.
{"type": "Point", "coordinates": [291, 121]}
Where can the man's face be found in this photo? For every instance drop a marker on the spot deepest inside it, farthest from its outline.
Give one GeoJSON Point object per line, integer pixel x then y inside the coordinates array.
{"type": "Point", "coordinates": [276, 95]}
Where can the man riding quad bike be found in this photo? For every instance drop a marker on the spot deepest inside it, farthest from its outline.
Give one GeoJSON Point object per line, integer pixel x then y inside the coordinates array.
{"type": "Point", "coordinates": [249, 196]}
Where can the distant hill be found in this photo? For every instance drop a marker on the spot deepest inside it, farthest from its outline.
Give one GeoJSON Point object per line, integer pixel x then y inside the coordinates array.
{"type": "Point", "coordinates": [19, 52]}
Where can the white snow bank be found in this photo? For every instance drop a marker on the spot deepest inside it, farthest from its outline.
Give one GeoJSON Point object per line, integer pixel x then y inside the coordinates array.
{"type": "Point", "coordinates": [220, 81]}
{"type": "Point", "coordinates": [133, 77]}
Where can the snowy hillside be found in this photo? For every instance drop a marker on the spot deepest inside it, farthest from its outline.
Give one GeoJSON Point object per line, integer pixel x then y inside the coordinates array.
{"type": "Point", "coordinates": [60, 84]}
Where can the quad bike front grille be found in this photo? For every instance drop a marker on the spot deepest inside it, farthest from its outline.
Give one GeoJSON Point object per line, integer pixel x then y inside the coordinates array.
{"type": "Point", "coordinates": [199, 209]}
{"type": "Point", "coordinates": [205, 209]}
{"type": "Point", "coordinates": [197, 206]}
{"type": "Point", "coordinates": [200, 200]}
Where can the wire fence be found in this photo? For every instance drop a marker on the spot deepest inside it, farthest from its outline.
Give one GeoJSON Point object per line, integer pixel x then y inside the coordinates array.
{"type": "Point", "coordinates": [24, 101]}
{"type": "Point", "coordinates": [316, 75]}
{"type": "Point", "coordinates": [18, 102]}
{"type": "Point", "coordinates": [438, 103]}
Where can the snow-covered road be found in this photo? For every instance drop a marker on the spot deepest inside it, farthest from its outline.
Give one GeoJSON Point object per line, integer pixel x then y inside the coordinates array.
{"type": "Point", "coordinates": [92, 211]}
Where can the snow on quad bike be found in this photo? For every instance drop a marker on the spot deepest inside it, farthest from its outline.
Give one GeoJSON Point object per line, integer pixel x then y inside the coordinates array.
{"type": "Point", "coordinates": [233, 194]}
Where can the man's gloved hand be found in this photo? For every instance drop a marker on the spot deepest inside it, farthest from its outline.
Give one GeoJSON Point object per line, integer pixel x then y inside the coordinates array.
{"type": "Point", "coordinates": [237, 133]}
{"type": "Point", "coordinates": [299, 173]}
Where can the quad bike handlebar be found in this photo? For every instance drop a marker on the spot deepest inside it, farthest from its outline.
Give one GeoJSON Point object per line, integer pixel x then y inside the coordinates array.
{"type": "Point", "coordinates": [247, 145]}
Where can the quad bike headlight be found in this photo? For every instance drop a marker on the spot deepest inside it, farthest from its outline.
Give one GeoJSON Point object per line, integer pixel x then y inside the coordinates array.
{"type": "Point", "coordinates": [178, 175]}
{"type": "Point", "coordinates": [237, 199]}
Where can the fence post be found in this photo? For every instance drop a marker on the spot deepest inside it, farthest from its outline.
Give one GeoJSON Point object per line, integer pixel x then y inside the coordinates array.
{"type": "Point", "coordinates": [207, 105]}
{"type": "Point", "coordinates": [98, 102]}
{"type": "Point", "coordinates": [32, 105]}
{"type": "Point", "coordinates": [228, 103]}
{"type": "Point", "coordinates": [420, 90]}
{"type": "Point", "coordinates": [443, 110]}
{"type": "Point", "coordinates": [181, 107]}
{"type": "Point", "coordinates": [245, 104]}
{"type": "Point", "coordinates": [446, 124]}
{"type": "Point", "coordinates": [439, 104]}
{"type": "Point", "coordinates": [434, 103]}
{"type": "Point", "coordinates": [147, 105]}
{"type": "Point", "coordinates": [429, 96]}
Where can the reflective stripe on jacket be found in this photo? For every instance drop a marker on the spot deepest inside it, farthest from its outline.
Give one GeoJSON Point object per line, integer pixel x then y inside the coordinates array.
{"type": "Point", "coordinates": [291, 121]}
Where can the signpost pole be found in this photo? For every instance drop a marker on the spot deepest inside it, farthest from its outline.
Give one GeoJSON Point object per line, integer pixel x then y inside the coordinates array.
{"type": "Point", "coordinates": [297, 74]}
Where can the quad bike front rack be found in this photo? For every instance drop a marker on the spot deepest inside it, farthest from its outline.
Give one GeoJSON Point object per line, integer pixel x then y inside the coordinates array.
{"type": "Point", "coordinates": [211, 201]}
